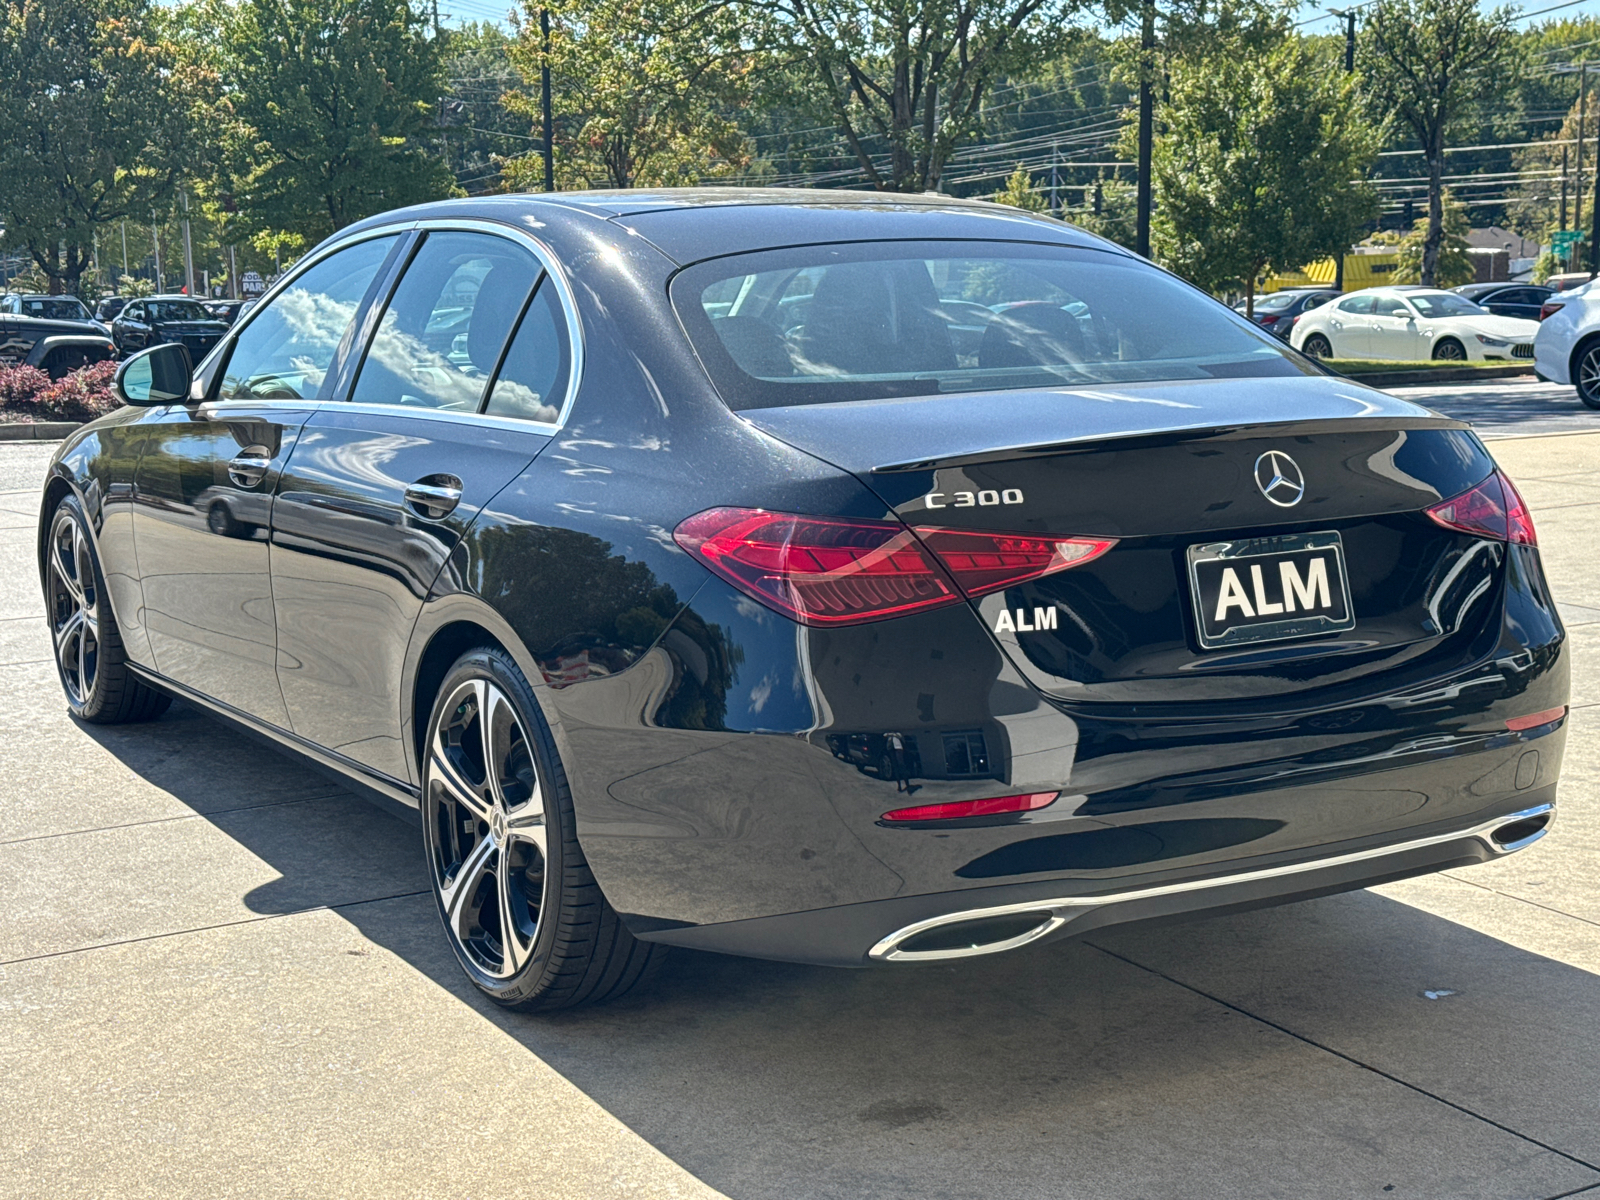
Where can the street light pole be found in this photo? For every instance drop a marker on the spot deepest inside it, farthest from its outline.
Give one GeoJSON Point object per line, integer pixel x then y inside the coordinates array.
{"type": "Point", "coordinates": [1349, 15]}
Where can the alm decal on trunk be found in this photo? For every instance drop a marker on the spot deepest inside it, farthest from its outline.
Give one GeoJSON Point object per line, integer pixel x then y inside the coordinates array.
{"type": "Point", "coordinates": [1043, 618]}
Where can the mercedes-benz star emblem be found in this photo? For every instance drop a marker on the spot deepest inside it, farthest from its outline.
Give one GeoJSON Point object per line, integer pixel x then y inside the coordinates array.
{"type": "Point", "coordinates": [1279, 478]}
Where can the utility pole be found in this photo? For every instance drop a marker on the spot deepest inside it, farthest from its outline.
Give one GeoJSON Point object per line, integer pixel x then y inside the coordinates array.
{"type": "Point", "coordinates": [233, 274]}
{"type": "Point", "coordinates": [1563, 187]}
{"type": "Point", "coordinates": [1147, 100]}
{"type": "Point", "coordinates": [155, 240]}
{"type": "Point", "coordinates": [188, 250]}
{"type": "Point", "coordinates": [1594, 209]}
{"type": "Point", "coordinates": [544, 103]}
{"type": "Point", "coordinates": [1055, 182]}
{"type": "Point", "coordinates": [124, 247]}
{"type": "Point", "coordinates": [1583, 97]}
{"type": "Point", "coordinates": [1349, 15]}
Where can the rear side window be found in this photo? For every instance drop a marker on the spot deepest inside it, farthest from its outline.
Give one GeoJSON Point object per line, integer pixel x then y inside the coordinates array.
{"type": "Point", "coordinates": [1356, 304]}
{"type": "Point", "coordinates": [834, 323]}
{"type": "Point", "coordinates": [441, 337]}
{"type": "Point", "coordinates": [533, 379]}
{"type": "Point", "coordinates": [286, 349]}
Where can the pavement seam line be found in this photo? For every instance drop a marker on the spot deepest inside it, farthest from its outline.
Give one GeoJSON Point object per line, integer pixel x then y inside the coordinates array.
{"type": "Point", "coordinates": [256, 920]}
{"type": "Point", "coordinates": [1588, 1187]}
{"type": "Point", "coordinates": [192, 816]}
{"type": "Point", "coordinates": [1353, 1061]}
{"type": "Point", "coordinates": [1560, 912]}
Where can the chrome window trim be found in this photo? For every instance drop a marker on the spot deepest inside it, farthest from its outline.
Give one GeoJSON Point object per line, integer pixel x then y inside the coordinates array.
{"type": "Point", "coordinates": [554, 273]}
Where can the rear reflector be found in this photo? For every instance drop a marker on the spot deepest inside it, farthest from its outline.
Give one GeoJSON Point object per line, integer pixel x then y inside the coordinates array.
{"type": "Point", "coordinates": [841, 571]}
{"type": "Point", "coordinates": [957, 809]}
{"type": "Point", "coordinates": [1492, 509]}
{"type": "Point", "coordinates": [1534, 720]}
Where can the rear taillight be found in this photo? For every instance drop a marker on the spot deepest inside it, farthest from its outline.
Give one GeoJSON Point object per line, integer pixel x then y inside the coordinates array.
{"type": "Point", "coordinates": [1533, 720]}
{"type": "Point", "coordinates": [955, 810]}
{"type": "Point", "coordinates": [842, 571]}
{"type": "Point", "coordinates": [1550, 307]}
{"type": "Point", "coordinates": [1492, 509]}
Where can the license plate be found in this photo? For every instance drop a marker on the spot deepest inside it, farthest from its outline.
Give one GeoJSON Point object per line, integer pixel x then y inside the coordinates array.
{"type": "Point", "coordinates": [1269, 589]}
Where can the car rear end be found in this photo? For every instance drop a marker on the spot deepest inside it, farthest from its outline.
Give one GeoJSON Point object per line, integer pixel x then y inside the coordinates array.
{"type": "Point", "coordinates": [1147, 625]}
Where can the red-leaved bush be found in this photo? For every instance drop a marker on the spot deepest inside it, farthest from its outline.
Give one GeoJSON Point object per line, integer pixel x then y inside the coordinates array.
{"type": "Point", "coordinates": [19, 384]}
{"type": "Point", "coordinates": [78, 396]}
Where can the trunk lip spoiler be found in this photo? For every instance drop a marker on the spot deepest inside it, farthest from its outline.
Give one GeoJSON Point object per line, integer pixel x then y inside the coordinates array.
{"type": "Point", "coordinates": [1134, 439]}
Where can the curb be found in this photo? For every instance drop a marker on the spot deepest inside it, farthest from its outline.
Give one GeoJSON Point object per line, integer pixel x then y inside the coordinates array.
{"type": "Point", "coordinates": [1383, 379]}
{"type": "Point", "coordinates": [38, 431]}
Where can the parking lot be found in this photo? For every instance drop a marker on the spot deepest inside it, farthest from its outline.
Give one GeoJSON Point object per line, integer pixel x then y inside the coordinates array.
{"type": "Point", "coordinates": [220, 975]}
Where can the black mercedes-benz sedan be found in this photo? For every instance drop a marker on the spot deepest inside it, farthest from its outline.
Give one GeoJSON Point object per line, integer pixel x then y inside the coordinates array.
{"type": "Point", "coordinates": [830, 577]}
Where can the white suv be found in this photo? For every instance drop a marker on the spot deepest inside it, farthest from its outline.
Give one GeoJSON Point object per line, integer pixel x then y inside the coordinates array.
{"type": "Point", "coordinates": [1567, 348]}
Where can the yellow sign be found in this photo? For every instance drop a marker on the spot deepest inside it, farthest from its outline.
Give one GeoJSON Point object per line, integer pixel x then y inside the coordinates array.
{"type": "Point", "coordinates": [1360, 271]}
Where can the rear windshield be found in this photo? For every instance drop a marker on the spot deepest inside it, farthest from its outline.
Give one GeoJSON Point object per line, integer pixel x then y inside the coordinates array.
{"type": "Point", "coordinates": [826, 324]}
{"type": "Point", "coordinates": [68, 309]}
{"type": "Point", "coordinates": [175, 310]}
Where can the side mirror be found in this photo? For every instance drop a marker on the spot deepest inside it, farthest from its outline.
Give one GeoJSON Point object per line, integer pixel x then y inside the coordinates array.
{"type": "Point", "coordinates": [159, 375]}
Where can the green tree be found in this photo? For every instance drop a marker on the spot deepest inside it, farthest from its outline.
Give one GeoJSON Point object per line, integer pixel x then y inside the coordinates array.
{"type": "Point", "coordinates": [1019, 192]}
{"type": "Point", "coordinates": [1256, 165]}
{"type": "Point", "coordinates": [337, 108]}
{"type": "Point", "coordinates": [645, 92]}
{"type": "Point", "coordinates": [1427, 62]}
{"type": "Point", "coordinates": [99, 119]}
{"type": "Point", "coordinates": [904, 81]}
{"type": "Point", "coordinates": [1454, 266]}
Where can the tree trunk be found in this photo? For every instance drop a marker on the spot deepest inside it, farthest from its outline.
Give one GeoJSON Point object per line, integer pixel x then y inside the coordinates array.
{"type": "Point", "coordinates": [1250, 294]}
{"type": "Point", "coordinates": [1147, 42]}
{"type": "Point", "coordinates": [1435, 236]}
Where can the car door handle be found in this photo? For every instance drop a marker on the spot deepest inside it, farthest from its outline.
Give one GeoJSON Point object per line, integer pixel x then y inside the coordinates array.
{"type": "Point", "coordinates": [434, 496]}
{"type": "Point", "coordinates": [250, 466]}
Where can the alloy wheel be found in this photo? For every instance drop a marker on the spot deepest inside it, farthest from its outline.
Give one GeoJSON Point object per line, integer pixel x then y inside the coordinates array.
{"type": "Point", "coordinates": [485, 824]}
{"type": "Point", "coordinates": [1449, 352]}
{"type": "Point", "coordinates": [74, 605]}
{"type": "Point", "coordinates": [1588, 376]}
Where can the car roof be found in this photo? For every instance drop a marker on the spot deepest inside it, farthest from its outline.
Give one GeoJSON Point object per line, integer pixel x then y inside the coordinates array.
{"type": "Point", "coordinates": [689, 224]}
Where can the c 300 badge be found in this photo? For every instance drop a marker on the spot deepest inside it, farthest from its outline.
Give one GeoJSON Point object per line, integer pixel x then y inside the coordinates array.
{"type": "Point", "coordinates": [983, 499]}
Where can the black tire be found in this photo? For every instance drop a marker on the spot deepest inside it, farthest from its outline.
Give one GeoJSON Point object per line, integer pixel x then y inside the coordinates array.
{"type": "Point", "coordinates": [1316, 346]}
{"type": "Point", "coordinates": [220, 521]}
{"type": "Point", "coordinates": [1586, 372]}
{"type": "Point", "coordinates": [90, 660]}
{"type": "Point", "coordinates": [1449, 350]}
{"type": "Point", "coordinates": [501, 847]}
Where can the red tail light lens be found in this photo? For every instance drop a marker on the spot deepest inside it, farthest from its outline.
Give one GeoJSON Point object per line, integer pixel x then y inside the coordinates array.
{"type": "Point", "coordinates": [994, 806]}
{"type": "Point", "coordinates": [986, 562]}
{"type": "Point", "coordinates": [1492, 509]}
{"type": "Point", "coordinates": [839, 571]}
{"type": "Point", "coordinates": [1550, 307]}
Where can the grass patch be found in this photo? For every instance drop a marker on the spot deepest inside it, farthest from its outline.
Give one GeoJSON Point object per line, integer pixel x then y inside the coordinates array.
{"type": "Point", "coordinates": [1371, 366]}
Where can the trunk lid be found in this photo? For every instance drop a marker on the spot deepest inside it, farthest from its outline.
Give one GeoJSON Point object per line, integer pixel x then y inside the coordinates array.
{"type": "Point", "coordinates": [1176, 472]}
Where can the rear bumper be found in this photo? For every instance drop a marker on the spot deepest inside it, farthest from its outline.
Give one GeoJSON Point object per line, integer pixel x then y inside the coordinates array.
{"type": "Point", "coordinates": [992, 920]}
{"type": "Point", "coordinates": [1550, 359]}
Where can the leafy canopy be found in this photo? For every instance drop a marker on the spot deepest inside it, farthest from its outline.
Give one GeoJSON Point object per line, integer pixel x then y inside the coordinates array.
{"type": "Point", "coordinates": [1257, 165]}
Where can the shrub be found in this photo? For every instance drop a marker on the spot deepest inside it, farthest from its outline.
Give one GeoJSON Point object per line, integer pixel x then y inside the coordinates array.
{"type": "Point", "coordinates": [19, 385]}
{"type": "Point", "coordinates": [81, 395]}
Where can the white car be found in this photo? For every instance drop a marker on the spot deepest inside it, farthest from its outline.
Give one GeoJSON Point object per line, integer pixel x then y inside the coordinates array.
{"type": "Point", "coordinates": [1567, 349]}
{"type": "Point", "coordinates": [1411, 323]}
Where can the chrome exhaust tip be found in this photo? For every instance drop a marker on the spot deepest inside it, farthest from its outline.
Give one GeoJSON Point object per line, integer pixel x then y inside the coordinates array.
{"type": "Point", "coordinates": [966, 935]}
{"type": "Point", "coordinates": [1522, 829]}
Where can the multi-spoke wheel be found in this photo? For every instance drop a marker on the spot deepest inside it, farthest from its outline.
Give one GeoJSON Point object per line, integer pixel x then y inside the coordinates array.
{"type": "Point", "coordinates": [1449, 350]}
{"type": "Point", "coordinates": [1317, 346]}
{"type": "Point", "coordinates": [1586, 373]}
{"type": "Point", "coordinates": [520, 907]}
{"type": "Point", "coordinates": [88, 646]}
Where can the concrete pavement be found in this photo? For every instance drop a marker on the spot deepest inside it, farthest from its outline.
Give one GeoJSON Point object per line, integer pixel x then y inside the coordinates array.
{"type": "Point", "coordinates": [221, 976]}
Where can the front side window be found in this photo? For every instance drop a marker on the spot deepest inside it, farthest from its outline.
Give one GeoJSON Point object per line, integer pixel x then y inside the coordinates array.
{"type": "Point", "coordinates": [441, 337]}
{"type": "Point", "coordinates": [833, 323]}
{"type": "Point", "coordinates": [134, 312]}
{"type": "Point", "coordinates": [285, 351]}
{"type": "Point", "coordinates": [1390, 306]}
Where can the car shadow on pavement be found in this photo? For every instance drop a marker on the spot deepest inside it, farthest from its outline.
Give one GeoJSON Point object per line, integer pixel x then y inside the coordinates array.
{"type": "Point", "coordinates": [1333, 1047]}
